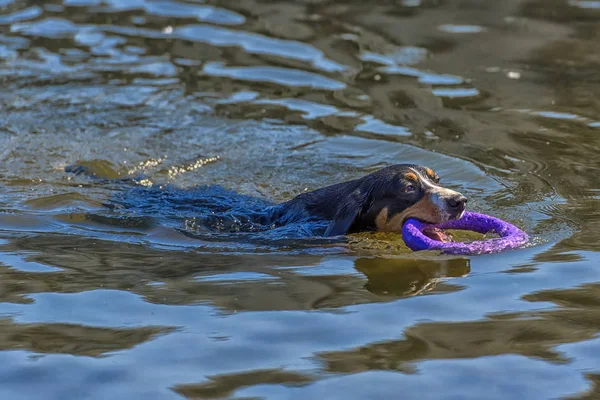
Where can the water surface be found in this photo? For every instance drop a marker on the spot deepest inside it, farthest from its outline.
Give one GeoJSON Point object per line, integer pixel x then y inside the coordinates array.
{"type": "Point", "coordinates": [270, 99]}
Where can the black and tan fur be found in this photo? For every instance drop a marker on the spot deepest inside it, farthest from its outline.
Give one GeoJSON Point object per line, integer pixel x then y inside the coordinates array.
{"type": "Point", "coordinates": [380, 201]}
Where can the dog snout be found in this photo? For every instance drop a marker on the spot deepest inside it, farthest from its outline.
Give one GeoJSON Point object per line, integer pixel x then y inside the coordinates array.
{"type": "Point", "coordinates": [457, 202]}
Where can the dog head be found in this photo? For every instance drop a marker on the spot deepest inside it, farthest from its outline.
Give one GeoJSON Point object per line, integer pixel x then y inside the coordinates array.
{"type": "Point", "coordinates": [385, 199]}
{"type": "Point", "coordinates": [412, 191]}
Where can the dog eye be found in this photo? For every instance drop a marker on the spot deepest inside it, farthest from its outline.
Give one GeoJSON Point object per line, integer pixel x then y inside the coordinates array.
{"type": "Point", "coordinates": [410, 188]}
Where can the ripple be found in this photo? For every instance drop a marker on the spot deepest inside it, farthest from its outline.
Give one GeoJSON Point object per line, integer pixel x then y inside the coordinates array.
{"type": "Point", "coordinates": [411, 3]}
{"type": "Point", "coordinates": [401, 70]}
{"type": "Point", "coordinates": [51, 28]}
{"type": "Point", "coordinates": [456, 92]}
{"type": "Point", "coordinates": [278, 75]}
{"type": "Point", "coordinates": [404, 55]}
{"type": "Point", "coordinates": [450, 28]}
{"type": "Point", "coordinates": [586, 4]}
{"type": "Point", "coordinates": [440, 79]}
{"type": "Point", "coordinates": [159, 68]}
{"type": "Point", "coordinates": [441, 379]}
{"type": "Point", "coordinates": [27, 223]}
{"type": "Point", "coordinates": [122, 5]}
{"type": "Point", "coordinates": [15, 42]}
{"type": "Point", "coordinates": [424, 77]}
{"type": "Point", "coordinates": [258, 44]}
{"type": "Point", "coordinates": [19, 262]}
{"type": "Point", "coordinates": [373, 125]}
{"type": "Point", "coordinates": [81, 3]}
{"type": "Point", "coordinates": [310, 109]}
{"type": "Point", "coordinates": [89, 37]}
{"type": "Point", "coordinates": [6, 52]}
{"type": "Point", "coordinates": [397, 64]}
{"type": "Point", "coordinates": [21, 15]}
{"type": "Point", "coordinates": [61, 201]}
{"type": "Point", "coordinates": [237, 277]}
{"type": "Point", "coordinates": [340, 266]}
{"type": "Point", "coordinates": [200, 12]}
{"type": "Point", "coordinates": [564, 116]}
{"type": "Point", "coordinates": [557, 115]}
{"type": "Point", "coordinates": [237, 97]}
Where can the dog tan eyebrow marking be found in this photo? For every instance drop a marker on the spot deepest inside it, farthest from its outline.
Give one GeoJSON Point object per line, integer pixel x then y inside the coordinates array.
{"type": "Point", "coordinates": [430, 173]}
{"type": "Point", "coordinates": [411, 176]}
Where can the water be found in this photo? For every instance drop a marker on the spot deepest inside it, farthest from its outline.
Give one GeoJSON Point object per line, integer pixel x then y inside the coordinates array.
{"type": "Point", "coordinates": [270, 99]}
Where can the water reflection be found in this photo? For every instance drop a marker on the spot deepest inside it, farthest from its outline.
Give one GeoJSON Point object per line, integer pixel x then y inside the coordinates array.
{"type": "Point", "coordinates": [259, 282]}
{"type": "Point", "coordinates": [397, 277]}
{"type": "Point", "coordinates": [76, 340]}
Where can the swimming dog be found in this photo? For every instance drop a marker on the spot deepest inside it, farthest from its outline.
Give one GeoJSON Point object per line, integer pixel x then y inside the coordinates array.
{"type": "Point", "coordinates": [380, 201]}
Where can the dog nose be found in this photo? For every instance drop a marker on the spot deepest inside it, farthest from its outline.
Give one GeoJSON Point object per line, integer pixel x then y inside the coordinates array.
{"type": "Point", "coordinates": [457, 202]}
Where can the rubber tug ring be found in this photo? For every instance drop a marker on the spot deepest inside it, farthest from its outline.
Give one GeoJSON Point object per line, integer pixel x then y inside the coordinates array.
{"type": "Point", "coordinates": [511, 237]}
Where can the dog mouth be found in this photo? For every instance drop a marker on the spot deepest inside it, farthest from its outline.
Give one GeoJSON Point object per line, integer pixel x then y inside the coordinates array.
{"type": "Point", "coordinates": [437, 234]}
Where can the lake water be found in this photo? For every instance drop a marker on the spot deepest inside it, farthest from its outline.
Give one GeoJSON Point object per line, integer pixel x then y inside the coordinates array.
{"type": "Point", "coordinates": [269, 99]}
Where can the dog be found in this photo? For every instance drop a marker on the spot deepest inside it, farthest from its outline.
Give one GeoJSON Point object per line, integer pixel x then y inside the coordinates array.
{"type": "Point", "coordinates": [381, 201]}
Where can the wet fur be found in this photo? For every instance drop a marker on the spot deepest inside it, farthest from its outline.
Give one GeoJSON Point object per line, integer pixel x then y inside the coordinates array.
{"type": "Point", "coordinates": [380, 201]}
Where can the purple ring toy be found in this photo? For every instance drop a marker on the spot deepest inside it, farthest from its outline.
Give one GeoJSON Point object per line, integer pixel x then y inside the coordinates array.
{"type": "Point", "coordinates": [511, 237]}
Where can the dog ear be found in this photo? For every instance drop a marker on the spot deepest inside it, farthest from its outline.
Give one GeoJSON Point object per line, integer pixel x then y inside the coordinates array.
{"type": "Point", "coordinates": [346, 214]}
